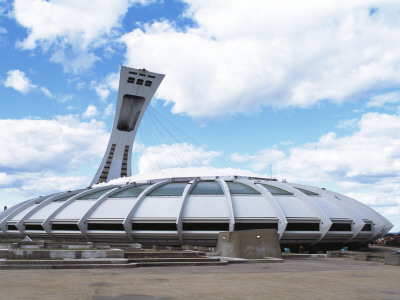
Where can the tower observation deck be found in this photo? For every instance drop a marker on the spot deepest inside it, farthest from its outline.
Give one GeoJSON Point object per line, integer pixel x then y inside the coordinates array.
{"type": "Point", "coordinates": [136, 89]}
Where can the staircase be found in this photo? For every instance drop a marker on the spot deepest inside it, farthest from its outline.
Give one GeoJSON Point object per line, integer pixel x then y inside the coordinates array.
{"type": "Point", "coordinates": [130, 260]}
{"type": "Point", "coordinates": [161, 259]}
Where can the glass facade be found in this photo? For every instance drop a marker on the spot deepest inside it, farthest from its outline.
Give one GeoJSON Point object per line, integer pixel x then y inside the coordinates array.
{"type": "Point", "coordinates": [207, 188]}
{"type": "Point", "coordinates": [169, 189]}
{"type": "Point", "coordinates": [132, 192]}
{"type": "Point", "coordinates": [276, 191]}
{"type": "Point", "coordinates": [307, 192]}
{"type": "Point", "coordinates": [95, 195]}
{"type": "Point", "coordinates": [236, 188]}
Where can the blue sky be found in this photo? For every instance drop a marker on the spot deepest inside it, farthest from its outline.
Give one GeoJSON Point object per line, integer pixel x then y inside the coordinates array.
{"type": "Point", "coordinates": [306, 90]}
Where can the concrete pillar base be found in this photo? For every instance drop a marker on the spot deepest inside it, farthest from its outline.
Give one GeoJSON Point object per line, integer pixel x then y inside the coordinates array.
{"type": "Point", "coordinates": [258, 243]}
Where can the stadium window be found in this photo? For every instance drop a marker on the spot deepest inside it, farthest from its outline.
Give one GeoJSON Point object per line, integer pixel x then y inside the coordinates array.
{"type": "Point", "coordinates": [154, 226]}
{"type": "Point", "coordinates": [65, 227]}
{"type": "Point", "coordinates": [302, 227]}
{"type": "Point", "coordinates": [106, 226]}
{"type": "Point", "coordinates": [206, 226]}
{"type": "Point", "coordinates": [12, 227]}
{"type": "Point", "coordinates": [340, 227]}
{"type": "Point", "coordinates": [33, 227]}
{"type": "Point", "coordinates": [367, 227]}
{"type": "Point", "coordinates": [249, 226]}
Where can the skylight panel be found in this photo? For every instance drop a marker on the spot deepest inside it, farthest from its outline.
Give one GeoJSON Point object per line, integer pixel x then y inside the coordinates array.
{"type": "Point", "coordinates": [132, 192]}
{"type": "Point", "coordinates": [95, 195]}
{"type": "Point", "coordinates": [236, 188]}
{"type": "Point", "coordinates": [169, 189]}
{"type": "Point", "coordinates": [207, 188]}
{"type": "Point", "coordinates": [276, 191]}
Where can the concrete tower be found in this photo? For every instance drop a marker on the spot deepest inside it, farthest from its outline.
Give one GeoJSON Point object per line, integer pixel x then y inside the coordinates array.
{"type": "Point", "coordinates": [136, 89]}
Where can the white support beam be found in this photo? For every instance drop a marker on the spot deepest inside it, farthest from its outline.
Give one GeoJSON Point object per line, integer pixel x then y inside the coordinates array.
{"type": "Point", "coordinates": [16, 211]}
{"type": "Point", "coordinates": [357, 222]}
{"type": "Point", "coordinates": [128, 219]}
{"type": "Point", "coordinates": [271, 200]}
{"type": "Point", "coordinates": [47, 223]}
{"type": "Point", "coordinates": [325, 222]}
{"type": "Point", "coordinates": [20, 224]}
{"type": "Point", "coordinates": [82, 225]}
{"type": "Point", "coordinates": [185, 195]}
{"type": "Point", "coordinates": [380, 225]}
{"type": "Point", "coordinates": [228, 199]}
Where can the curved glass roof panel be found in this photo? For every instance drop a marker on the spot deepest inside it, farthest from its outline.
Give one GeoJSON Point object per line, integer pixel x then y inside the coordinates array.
{"type": "Point", "coordinates": [307, 192]}
{"type": "Point", "coordinates": [207, 188]}
{"type": "Point", "coordinates": [95, 195]}
{"type": "Point", "coordinates": [65, 198]}
{"type": "Point", "coordinates": [236, 188]}
{"type": "Point", "coordinates": [169, 189]}
{"type": "Point", "coordinates": [131, 192]}
{"type": "Point", "coordinates": [276, 191]}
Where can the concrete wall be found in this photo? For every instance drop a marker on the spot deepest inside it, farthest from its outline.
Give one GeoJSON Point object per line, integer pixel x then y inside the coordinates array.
{"type": "Point", "coordinates": [388, 259]}
{"type": "Point", "coordinates": [49, 254]}
{"type": "Point", "coordinates": [393, 260]}
{"type": "Point", "coordinates": [258, 243]}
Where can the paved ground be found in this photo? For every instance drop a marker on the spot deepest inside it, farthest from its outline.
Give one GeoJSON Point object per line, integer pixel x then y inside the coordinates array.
{"type": "Point", "coordinates": [295, 279]}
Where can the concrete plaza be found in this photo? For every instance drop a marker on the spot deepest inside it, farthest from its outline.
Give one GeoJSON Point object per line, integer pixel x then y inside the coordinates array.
{"type": "Point", "coordinates": [334, 278]}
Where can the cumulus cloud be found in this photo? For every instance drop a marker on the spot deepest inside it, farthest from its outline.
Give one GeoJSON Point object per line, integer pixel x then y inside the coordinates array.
{"type": "Point", "coordinates": [369, 155]}
{"type": "Point", "coordinates": [156, 158]}
{"type": "Point", "coordinates": [17, 80]}
{"type": "Point", "coordinates": [365, 164]}
{"type": "Point", "coordinates": [58, 144]}
{"type": "Point", "coordinates": [260, 160]}
{"type": "Point", "coordinates": [42, 183]}
{"type": "Point", "coordinates": [58, 26]}
{"type": "Point", "coordinates": [241, 56]}
{"type": "Point", "coordinates": [381, 100]}
{"type": "Point", "coordinates": [46, 92]}
{"type": "Point", "coordinates": [109, 110]}
{"type": "Point", "coordinates": [110, 83]}
{"type": "Point", "coordinates": [90, 112]}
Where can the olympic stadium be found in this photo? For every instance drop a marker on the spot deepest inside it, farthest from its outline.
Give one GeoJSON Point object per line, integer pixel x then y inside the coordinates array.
{"type": "Point", "coordinates": [185, 210]}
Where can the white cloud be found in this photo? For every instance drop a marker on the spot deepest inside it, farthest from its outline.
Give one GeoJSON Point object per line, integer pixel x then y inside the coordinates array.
{"type": "Point", "coordinates": [171, 156]}
{"type": "Point", "coordinates": [109, 110]}
{"type": "Point", "coordinates": [40, 183]}
{"type": "Point", "coordinates": [110, 83]}
{"type": "Point", "coordinates": [369, 155]}
{"type": "Point", "coordinates": [261, 160]}
{"type": "Point", "coordinates": [5, 179]}
{"type": "Point", "coordinates": [350, 123]}
{"type": "Point", "coordinates": [70, 29]}
{"type": "Point", "coordinates": [365, 164]}
{"type": "Point", "coordinates": [90, 112]}
{"type": "Point", "coordinates": [381, 100]}
{"type": "Point", "coordinates": [60, 144]}
{"type": "Point", "coordinates": [46, 92]}
{"type": "Point", "coordinates": [17, 80]}
{"type": "Point", "coordinates": [243, 55]}
{"type": "Point", "coordinates": [65, 98]}
{"type": "Point", "coordinates": [3, 30]}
